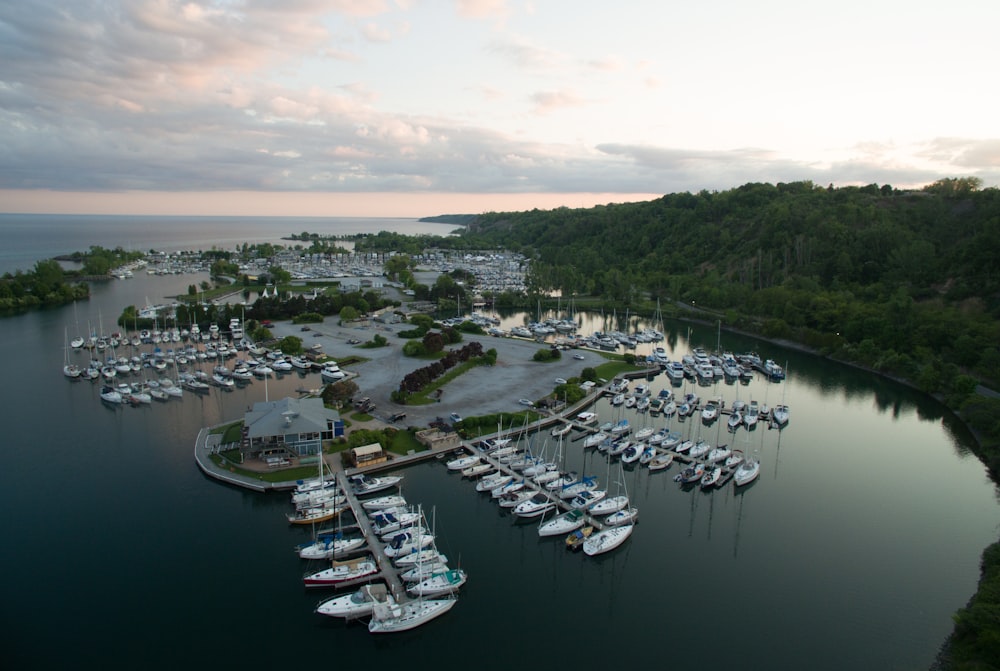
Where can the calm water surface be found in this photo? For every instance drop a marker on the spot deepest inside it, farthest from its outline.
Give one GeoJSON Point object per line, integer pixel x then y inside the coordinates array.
{"type": "Point", "coordinates": [858, 542]}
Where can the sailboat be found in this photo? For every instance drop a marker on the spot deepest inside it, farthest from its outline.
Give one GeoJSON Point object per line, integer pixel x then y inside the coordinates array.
{"type": "Point", "coordinates": [70, 370]}
{"type": "Point", "coordinates": [607, 539]}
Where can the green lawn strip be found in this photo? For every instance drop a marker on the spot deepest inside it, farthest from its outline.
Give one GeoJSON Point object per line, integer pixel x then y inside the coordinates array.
{"type": "Point", "coordinates": [283, 475]}
{"type": "Point", "coordinates": [231, 433]}
{"type": "Point", "coordinates": [404, 441]}
{"type": "Point", "coordinates": [610, 369]}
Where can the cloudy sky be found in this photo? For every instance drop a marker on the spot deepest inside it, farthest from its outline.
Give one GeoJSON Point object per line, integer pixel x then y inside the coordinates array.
{"type": "Point", "coordinates": [419, 107]}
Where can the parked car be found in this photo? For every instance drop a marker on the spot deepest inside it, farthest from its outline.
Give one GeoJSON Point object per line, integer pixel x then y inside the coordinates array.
{"type": "Point", "coordinates": [527, 402]}
{"type": "Point", "coordinates": [455, 417]}
{"type": "Point", "coordinates": [579, 357]}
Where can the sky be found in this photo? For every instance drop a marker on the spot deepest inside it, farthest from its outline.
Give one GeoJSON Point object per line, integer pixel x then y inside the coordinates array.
{"type": "Point", "coordinates": [413, 108]}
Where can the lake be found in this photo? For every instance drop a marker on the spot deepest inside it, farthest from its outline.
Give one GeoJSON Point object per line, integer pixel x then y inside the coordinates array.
{"type": "Point", "coordinates": [859, 540]}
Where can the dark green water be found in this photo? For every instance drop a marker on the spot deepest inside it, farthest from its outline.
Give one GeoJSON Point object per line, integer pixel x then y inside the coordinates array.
{"type": "Point", "coordinates": [858, 542]}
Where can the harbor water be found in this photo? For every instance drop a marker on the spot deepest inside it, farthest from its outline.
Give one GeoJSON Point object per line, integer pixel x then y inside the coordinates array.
{"type": "Point", "coordinates": [852, 550]}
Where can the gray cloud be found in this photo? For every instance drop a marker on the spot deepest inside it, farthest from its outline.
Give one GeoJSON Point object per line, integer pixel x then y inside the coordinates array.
{"type": "Point", "coordinates": [124, 95]}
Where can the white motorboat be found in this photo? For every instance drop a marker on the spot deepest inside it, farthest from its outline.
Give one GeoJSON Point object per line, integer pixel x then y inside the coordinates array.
{"type": "Point", "coordinates": [389, 521]}
{"type": "Point", "coordinates": [355, 604]}
{"type": "Point", "coordinates": [608, 505]}
{"type": "Point", "coordinates": [623, 516]}
{"type": "Point", "coordinates": [392, 617]}
{"type": "Point", "coordinates": [537, 505]}
{"type": "Point", "coordinates": [391, 501]}
{"type": "Point", "coordinates": [438, 583]}
{"type": "Point", "coordinates": [570, 490]}
{"type": "Point", "coordinates": [368, 484]}
{"type": "Point", "coordinates": [420, 571]}
{"type": "Point", "coordinates": [477, 470]}
{"type": "Point", "coordinates": [586, 417]}
{"type": "Point", "coordinates": [462, 462]}
{"type": "Point", "coordinates": [341, 572]}
{"type": "Point", "coordinates": [514, 499]}
{"type": "Point", "coordinates": [710, 412]}
{"type": "Point", "coordinates": [562, 524]}
{"type": "Point", "coordinates": [407, 542]}
{"type": "Point", "coordinates": [607, 539]}
{"type": "Point", "coordinates": [330, 547]}
{"type": "Point", "coordinates": [751, 415]}
{"type": "Point", "coordinates": [584, 500]}
{"type": "Point", "coordinates": [490, 482]}
{"type": "Point", "coordinates": [594, 439]}
{"type": "Point", "coordinates": [425, 556]}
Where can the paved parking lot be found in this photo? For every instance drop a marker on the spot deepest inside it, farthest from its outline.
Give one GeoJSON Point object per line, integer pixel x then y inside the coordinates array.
{"type": "Point", "coordinates": [483, 390]}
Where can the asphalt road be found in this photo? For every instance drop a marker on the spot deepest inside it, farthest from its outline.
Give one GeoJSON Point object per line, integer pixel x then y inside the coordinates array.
{"type": "Point", "coordinates": [482, 390]}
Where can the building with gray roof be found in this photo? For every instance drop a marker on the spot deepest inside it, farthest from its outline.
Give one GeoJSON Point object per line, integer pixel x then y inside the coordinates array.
{"type": "Point", "coordinates": [296, 425]}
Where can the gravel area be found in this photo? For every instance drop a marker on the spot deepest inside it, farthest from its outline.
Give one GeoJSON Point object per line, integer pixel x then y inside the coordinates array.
{"type": "Point", "coordinates": [482, 390]}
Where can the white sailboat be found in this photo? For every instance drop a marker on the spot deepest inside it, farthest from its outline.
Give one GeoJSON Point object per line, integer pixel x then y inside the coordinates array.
{"type": "Point", "coordinates": [607, 539]}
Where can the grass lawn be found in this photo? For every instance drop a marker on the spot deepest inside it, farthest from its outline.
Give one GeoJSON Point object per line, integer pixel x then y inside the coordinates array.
{"type": "Point", "coordinates": [423, 397]}
{"type": "Point", "coordinates": [404, 441]}
{"type": "Point", "coordinates": [231, 433]}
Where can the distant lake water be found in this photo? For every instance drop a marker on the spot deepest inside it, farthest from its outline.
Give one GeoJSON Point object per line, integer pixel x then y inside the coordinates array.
{"type": "Point", "coordinates": [28, 238]}
{"type": "Point", "coordinates": [854, 548]}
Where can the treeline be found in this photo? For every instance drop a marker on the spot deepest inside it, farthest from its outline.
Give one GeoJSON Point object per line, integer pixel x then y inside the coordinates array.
{"type": "Point", "coordinates": [99, 261]}
{"type": "Point", "coordinates": [45, 285]}
{"type": "Point", "coordinates": [902, 281]}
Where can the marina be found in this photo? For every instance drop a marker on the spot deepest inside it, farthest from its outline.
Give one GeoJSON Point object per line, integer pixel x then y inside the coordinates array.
{"type": "Point", "coordinates": [221, 552]}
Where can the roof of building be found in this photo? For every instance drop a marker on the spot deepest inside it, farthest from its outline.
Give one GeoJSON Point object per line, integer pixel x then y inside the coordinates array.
{"type": "Point", "coordinates": [288, 415]}
{"type": "Point", "coordinates": [365, 450]}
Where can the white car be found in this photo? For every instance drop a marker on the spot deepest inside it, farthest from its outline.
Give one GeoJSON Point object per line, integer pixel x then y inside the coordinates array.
{"type": "Point", "coordinates": [455, 417]}
{"type": "Point", "coordinates": [560, 380]}
{"type": "Point", "coordinates": [579, 357]}
{"type": "Point", "coordinates": [526, 402]}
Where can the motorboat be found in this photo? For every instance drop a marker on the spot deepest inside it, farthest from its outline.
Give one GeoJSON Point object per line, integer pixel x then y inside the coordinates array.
{"type": "Point", "coordinates": [392, 617]}
{"type": "Point", "coordinates": [607, 539]}
{"type": "Point", "coordinates": [608, 505]}
{"type": "Point", "coordinates": [314, 515]}
{"type": "Point", "coordinates": [438, 583]}
{"type": "Point", "coordinates": [585, 483]}
{"type": "Point", "coordinates": [594, 439]}
{"type": "Point", "coordinates": [491, 482]}
{"type": "Point", "coordinates": [368, 484]}
{"type": "Point", "coordinates": [751, 415]}
{"type": "Point", "coordinates": [407, 542]}
{"type": "Point", "coordinates": [575, 539]}
{"type": "Point", "coordinates": [463, 462]}
{"type": "Point", "coordinates": [514, 499]}
{"type": "Point", "coordinates": [563, 524]}
{"type": "Point", "coordinates": [710, 412]}
{"type": "Point", "coordinates": [355, 604]}
{"type": "Point", "coordinates": [391, 501]}
{"type": "Point", "coordinates": [341, 572]}
{"type": "Point", "coordinates": [330, 547]}
{"type": "Point", "coordinates": [537, 505]}
{"type": "Point", "coordinates": [387, 522]}
{"type": "Point", "coordinates": [584, 500]}
{"type": "Point", "coordinates": [561, 430]}
{"type": "Point", "coordinates": [628, 515]}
